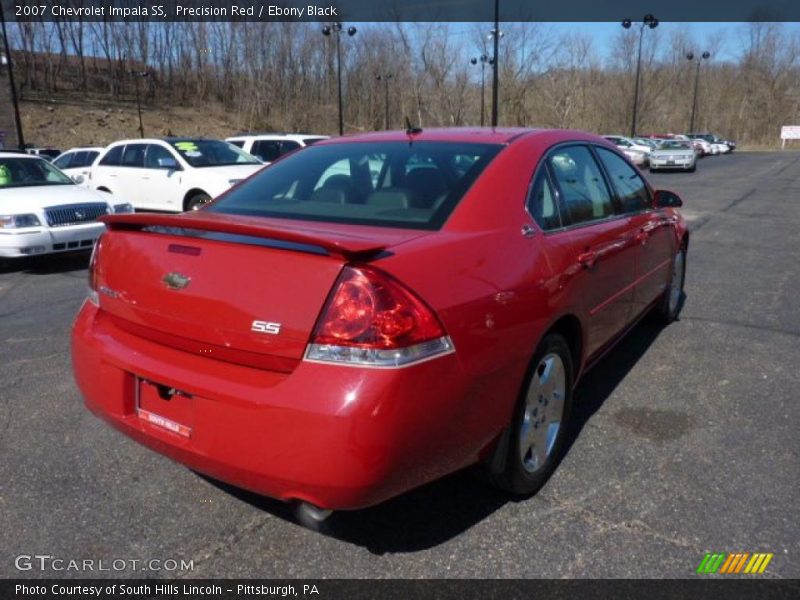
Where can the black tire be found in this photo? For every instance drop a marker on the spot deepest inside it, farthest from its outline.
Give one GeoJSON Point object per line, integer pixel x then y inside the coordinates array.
{"type": "Point", "coordinates": [197, 201]}
{"type": "Point", "coordinates": [669, 309]}
{"type": "Point", "coordinates": [693, 169]}
{"type": "Point", "coordinates": [514, 476]}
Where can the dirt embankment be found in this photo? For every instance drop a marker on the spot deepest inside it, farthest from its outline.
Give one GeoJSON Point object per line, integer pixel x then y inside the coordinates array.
{"type": "Point", "coordinates": [65, 123]}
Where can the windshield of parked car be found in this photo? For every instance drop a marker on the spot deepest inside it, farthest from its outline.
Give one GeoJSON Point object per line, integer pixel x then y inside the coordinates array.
{"type": "Point", "coordinates": [212, 153]}
{"type": "Point", "coordinates": [392, 184]}
{"type": "Point", "coordinates": [674, 145]}
{"type": "Point", "coordinates": [26, 172]}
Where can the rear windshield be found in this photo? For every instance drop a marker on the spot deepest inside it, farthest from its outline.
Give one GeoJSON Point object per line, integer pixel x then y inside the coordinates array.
{"type": "Point", "coordinates": [392, 184]}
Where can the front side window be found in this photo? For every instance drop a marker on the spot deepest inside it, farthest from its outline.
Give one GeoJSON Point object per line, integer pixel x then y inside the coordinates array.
{"type": "Point", "coordinates": [113, 157]}
{"type": "Point", "coordinates": [584, 192]}
{"type": "Point", "coordinates": [391, 184]}
{"type": "Point", "coordinates": [84, 158]}
{"type": "Point", "coordinates": [158, 157]}
{"type": "Point", "coordinates": [266, 150]}
{"type": "Point", "coordinates": [63, 161]}
{"type": "Point", "coordinates": [212, 153]}
{"type": "Point", "coordinates": [628, 184]}
{"type": "Point", "coordinates": [27, 172]}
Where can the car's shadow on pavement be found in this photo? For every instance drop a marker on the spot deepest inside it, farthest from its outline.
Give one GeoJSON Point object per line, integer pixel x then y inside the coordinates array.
{"type": "Point", "coordinates": [439, 511]}
{"type": "Point", "coordinates": [47, 264]}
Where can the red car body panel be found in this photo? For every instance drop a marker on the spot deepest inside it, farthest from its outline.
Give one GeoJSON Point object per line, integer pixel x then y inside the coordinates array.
{"type": "Point", "coordinates": [265, 419]}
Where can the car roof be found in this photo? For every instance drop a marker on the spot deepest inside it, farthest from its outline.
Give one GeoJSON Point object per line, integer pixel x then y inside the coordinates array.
{"type": "Point", "coordinates": [84, 149]}
{"type": "Point", "coordinates": [486, 135]}
{"type": "Point", "coordinates": [18, 154]}
{"type": "Point", "coordinates": [168, 140]}
{"type": "Point", "coordinates": [276, 136]}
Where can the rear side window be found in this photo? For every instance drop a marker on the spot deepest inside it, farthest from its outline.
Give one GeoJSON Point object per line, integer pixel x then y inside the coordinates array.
{"type": "Point", "coordinates": [628, 184]}
{"type": "Point", "coordinates": [392, 184]}
{"type": "Point", "coordinates": [237, 143]}
{"type": "Point", "coordinates": [584, 192]}
{"type": "Point", "coordinates": [113, 157]}
{"type": "Point", "coordinates": [542, 204]}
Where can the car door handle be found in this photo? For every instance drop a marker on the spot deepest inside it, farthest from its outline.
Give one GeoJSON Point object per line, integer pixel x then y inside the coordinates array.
{"type": "Point", "coordinates": [642, 237]}
{"type": "Point", "coordinates": [587, 259]}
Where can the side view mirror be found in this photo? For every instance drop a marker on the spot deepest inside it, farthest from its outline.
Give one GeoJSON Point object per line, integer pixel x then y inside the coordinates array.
{"type": "Point", "coordinates": [77, 179]}
{"type": "Point", "coordinates": [667, 199]}
{"type": "Point", "coordinates": [167, 163]}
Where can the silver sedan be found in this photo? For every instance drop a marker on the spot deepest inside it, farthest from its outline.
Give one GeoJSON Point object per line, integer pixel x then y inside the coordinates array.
{"type": "Point", "coordinates": [673, 155]}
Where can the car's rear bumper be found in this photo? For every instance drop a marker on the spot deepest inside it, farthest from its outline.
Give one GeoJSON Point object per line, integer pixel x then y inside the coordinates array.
{"type": "Point", "coordinates": [338, 437]}
{"type": "Point", "coordinates": [46, 241]}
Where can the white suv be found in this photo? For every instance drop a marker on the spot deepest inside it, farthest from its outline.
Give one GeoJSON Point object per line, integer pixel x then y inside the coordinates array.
{"type": "Point", "coordinates": [270, 146]}
{"type": "Point", "coordinates": [171, 174]}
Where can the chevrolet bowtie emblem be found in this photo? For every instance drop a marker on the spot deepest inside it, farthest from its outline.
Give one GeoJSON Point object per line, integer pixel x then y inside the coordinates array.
{"type": "Point", "coordinates": [176, 281]}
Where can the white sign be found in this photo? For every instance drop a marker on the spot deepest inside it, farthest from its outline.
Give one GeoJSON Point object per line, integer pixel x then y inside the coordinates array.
{"type": "Point", "coordinates": [790, 132]}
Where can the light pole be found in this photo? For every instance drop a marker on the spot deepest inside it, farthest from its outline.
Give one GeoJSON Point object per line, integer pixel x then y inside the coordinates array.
{"type": "Point", "coordinates": [496, 34]}
{"type": "Point", "coordinates": [385, 77]}
{"type": "Point", "coordinates": [651, 22]}
{"type": "Point", "coordinates": [336, 29]}
{"type": "Point", "coordinates": [10, 66]}
{"type": "Point", "coordinates": [483, 60]}
{"type": "Point", "coordinates": [137, 75]}
{"type": "Point", "coordinates": [702, 57]}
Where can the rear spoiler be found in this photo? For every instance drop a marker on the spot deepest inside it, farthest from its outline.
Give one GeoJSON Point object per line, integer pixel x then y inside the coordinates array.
{"type": "Point", "coordinates": [334, 243]}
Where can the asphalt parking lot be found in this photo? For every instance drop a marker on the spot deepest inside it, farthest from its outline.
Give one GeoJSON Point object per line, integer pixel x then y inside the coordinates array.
{"type": "Point", "coordinates": [685, 442]}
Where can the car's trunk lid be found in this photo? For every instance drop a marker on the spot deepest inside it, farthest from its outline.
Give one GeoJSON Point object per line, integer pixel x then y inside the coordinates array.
{"type": "Point", "coordinates": [245, 290]}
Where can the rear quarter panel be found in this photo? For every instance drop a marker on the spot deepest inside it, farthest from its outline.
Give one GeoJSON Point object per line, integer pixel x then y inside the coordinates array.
{"type": "Point", "coordinates": [496, 291]}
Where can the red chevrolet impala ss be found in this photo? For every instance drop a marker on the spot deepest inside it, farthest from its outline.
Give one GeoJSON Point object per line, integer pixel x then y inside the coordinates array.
{"type": "Point", "coordinates": [377, 311]}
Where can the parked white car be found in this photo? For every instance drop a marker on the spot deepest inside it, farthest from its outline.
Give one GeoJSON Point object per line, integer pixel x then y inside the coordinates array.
{"type": "Point", "coordinates": [76, 162]}
{"type": "Point", "coordinates": [270, 146]}
{"type": "Point", "coordinates": [43, 211]}
{"type": "Point", "coordinates": [718, 146]}
{"type": "Point", "coordinates": [623, 143]}
{"type": "Point", "coordinates": [639, 154]}
{"type": "Point", "coordinates": [170, 174]}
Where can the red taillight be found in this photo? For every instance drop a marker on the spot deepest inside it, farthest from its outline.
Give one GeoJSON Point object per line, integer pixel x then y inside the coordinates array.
{"type": "Point", "coordinates": [368, 309]}
{"type": "Point", "coordinates": [93, 272]}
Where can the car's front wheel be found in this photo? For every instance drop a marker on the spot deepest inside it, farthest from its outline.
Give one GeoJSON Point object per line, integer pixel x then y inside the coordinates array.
{"type": "Point", "coordinates": [540, 421]}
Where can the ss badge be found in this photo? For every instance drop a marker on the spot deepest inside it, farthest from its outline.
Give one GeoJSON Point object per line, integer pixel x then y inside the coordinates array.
{"type": "Point", "coordinates": [266, 327]}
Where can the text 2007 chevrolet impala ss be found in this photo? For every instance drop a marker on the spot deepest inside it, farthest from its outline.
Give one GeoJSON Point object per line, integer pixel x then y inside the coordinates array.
{"type": "Point", "coordinates": [376, 311]}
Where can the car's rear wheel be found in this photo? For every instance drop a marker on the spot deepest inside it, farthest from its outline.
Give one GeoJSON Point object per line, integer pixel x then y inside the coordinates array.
{"type": "Point", "coordinates": [540, 421]}
{"type": "Point", "coordinates": [672, 302]}
{"type": "Point", "coordinates": [197, 201]}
